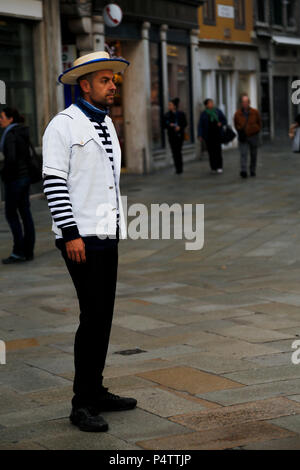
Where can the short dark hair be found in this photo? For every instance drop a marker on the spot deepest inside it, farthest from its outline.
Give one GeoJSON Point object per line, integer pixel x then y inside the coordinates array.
{"type": "Point", "coordinates": [13, 113]}
{"type": "Point", "coordinates": [207, 101]}
{"type": "Point", "coordinates": [88, 77]}
{"type": "Point", "coordinates": [176, 102]}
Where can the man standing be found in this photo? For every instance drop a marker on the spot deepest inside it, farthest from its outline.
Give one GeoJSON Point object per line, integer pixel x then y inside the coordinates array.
{"type": "Point", "coordinates": [81, 170]}
{"type": "Point", "coordinates": [248, 124]}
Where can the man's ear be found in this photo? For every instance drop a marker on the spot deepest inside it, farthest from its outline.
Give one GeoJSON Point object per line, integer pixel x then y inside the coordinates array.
{"type": "Point", "coordinates": [85, 85]}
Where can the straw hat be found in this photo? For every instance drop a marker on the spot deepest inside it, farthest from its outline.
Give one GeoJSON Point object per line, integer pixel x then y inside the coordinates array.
{"type": "Point", "coordinates": [89, 63]}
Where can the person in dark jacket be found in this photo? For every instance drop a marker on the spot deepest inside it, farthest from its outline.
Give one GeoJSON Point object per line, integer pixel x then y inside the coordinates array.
{"type": "Point", "coordinates": [175, 122]}
{"type": "Point", "coordinates": [210, 130]}
{"type": "Point", "coordinates": [15, 145]}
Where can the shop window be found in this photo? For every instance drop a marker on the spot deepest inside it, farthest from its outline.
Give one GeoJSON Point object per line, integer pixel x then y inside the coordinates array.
{"type": "Point", "coordinates": [179, 81]}
{"type": "Point", "coordinates": [209, 12]}
{"type": "Point", "coordinates": [17, 70]}
{"type": "Point", "coordinates": [260, 11]}
{"type": "Point", "coordinates": [263, 65]}
{"type": "Point", "coordinates": [240, 14]}
{"type": "Point", "coordinates": [276, 12]}
{"type": "Point", "coordinates": [291, 13]}
{"type": "Point", "coordinates": [156, 97]}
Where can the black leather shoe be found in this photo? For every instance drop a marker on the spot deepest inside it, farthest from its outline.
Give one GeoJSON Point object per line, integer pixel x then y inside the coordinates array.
{"type": "Point", "coordinates": [253, 174]}
{"type": "Point", "coordinates": [87, 420]}
{"type": "Point", "coordinates": [111, 402]}
{"type": "Point", "coordinates": [244, 174]}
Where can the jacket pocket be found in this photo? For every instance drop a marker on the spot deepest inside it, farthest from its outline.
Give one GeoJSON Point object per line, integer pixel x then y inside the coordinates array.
{"type": "Point", "coordinates": [83, 154]}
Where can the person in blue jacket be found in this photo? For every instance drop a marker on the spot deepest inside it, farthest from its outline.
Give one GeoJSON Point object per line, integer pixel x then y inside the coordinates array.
{"type": "Point", "coordinates": [210, 130]}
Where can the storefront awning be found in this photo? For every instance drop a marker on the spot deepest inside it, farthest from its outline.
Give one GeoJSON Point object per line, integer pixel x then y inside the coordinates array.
{"type": "Point", "coordinates": [29, 9]}
{"type": "Point", "coordinates": [286, 40]}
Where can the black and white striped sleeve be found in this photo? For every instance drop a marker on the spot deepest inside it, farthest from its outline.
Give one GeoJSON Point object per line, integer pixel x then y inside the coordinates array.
{"type": "Point", "coordinates": [57, 193]}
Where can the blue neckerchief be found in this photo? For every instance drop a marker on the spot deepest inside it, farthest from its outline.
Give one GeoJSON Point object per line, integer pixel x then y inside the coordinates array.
{"type": "Point", "coordinates": [7, 129]}
{"type": "Point", "coordinates": [91, 111]}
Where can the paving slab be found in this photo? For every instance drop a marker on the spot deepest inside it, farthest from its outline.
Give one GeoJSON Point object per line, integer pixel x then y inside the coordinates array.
{"type": "Point", "coordinates": [236, 414]}
{"type": "Point", "coordinates": [253, 392]}
{"type": "Point", "coordinates": [222, 438]}
{"type": "Point", "coordinates": [291, 443]}
{"type": "Point", "coordinates": [291, 423]}
{"type": "Point", "coordinates": [163, 403]}
{"type": "Point", "coordinates": [190, 380]}
{"type": "Point", "coordinates": [265, 374]}
{"type": "Point", "coordinates": [136, 424]}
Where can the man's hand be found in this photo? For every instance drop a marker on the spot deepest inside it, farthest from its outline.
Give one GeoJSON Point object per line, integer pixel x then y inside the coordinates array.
{"type": "Point", "coordinates": [76, 250]}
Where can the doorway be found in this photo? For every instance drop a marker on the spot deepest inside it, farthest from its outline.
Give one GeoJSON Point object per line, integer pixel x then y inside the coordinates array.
{"type": "Point", "coordinates": [281, 107]}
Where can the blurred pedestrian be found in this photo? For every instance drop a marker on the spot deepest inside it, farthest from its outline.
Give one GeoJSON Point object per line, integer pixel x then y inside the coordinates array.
{"type": "Point", "coordinates": [210, 126]}
{"type": "Point", "coordinates": [15, 145]}
{"type": "Point", "coordinates": [248, 124]}
{"type": "Point", "coordinates": [175, 122]}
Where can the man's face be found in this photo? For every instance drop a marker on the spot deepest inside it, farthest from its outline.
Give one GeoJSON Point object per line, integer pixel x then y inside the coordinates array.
{"type": "Point", "coordinates": [4, 120]}
{"type": "Point", "coordinates": [210, 104]}
{"type": "Point", "coordinates": [245, 102]}
{"type": "Point", "coordinates": [101, 89]}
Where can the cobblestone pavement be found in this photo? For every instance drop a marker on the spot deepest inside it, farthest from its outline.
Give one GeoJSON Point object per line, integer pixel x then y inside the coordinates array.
{"type": "Point", "coordinates": [210, 332]}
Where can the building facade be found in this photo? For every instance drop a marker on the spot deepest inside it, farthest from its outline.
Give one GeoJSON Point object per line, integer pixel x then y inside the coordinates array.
{"type": "Point", "coordinates": [227, 55]}
{"type": "Point", "coordinates": [277, 28]}
{"type": "Point", "coordinates": [30, 59]}
{"type": "Point", "coordinates": [159, 38]}
{"type": "Point", "coordinates": [39, 38]}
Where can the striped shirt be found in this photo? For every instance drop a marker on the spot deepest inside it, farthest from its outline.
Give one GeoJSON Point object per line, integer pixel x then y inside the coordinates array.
{"type": "Point", "coordinates": [105, 138]}
{"type": "Point", "coordinates": [57, 193]}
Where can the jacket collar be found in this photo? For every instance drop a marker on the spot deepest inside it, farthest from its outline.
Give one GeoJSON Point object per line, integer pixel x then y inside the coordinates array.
{"type": "Point", "coordinates": [86, 126]}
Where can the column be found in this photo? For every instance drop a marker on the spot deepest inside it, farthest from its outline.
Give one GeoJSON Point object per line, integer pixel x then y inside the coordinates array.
{"type": "Point", "coordinates": [48, 65]}
{"type": "Point", "coordinates": [137, 106]}
{"type": "Point", "coordinates": [196, 82]}
{"type": "Point", "coordinates": [164, 64]}
{"type": "Point", "coordinates": [98, 30]}
{"type": "Point", "coordinates": [271, 92]}
{"type": "Point", "coordinates": [148, 162]}
{"type": "Point", "coordinates": [165, 83]}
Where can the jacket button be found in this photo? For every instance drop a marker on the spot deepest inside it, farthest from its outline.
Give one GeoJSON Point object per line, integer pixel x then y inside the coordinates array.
{"type": "Point", "coordinates": [111, 187]}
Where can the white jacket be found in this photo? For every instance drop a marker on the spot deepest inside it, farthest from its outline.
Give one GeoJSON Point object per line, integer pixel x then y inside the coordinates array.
{"type": "Point", "coordinates": [73, 150]}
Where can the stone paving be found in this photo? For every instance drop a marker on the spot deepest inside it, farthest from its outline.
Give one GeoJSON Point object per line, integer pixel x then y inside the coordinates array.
{"type": "Point", "coordinates": [208, 333]}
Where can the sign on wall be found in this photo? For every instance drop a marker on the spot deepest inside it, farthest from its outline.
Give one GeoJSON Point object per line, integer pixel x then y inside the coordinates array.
{"type": "Point", "coordinates": [68, 56]}
{"type": "Point", "coordinates": [225, 11]}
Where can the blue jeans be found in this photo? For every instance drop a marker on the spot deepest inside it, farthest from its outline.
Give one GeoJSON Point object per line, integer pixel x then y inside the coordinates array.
{"type": "Point", "coordinates": [17, 205]}
{"type": "Point", "coordinates": [252, 144]}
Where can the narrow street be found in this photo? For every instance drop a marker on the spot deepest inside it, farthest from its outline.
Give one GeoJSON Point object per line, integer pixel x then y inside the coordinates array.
{"type": "Point", "coordinates": [203, 339]}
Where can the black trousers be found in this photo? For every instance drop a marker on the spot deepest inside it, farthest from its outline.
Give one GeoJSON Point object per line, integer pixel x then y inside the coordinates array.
{"type": "Point", "coordinates": [95, 284]}
{"type": "Point", "coordinates": [176, 147]}
{"type": "Point", "coordinates": [18, 216]}
{"type": "Point", "coordinates": [214, 149]}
